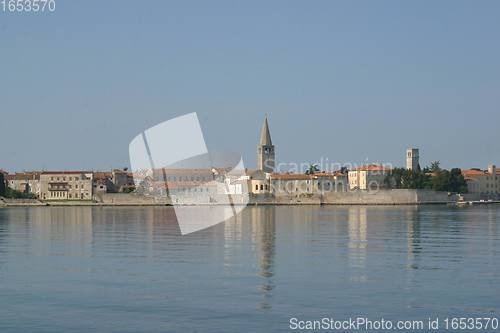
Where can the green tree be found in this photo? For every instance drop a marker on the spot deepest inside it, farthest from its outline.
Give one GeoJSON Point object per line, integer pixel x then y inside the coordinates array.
{"type": "Point", "coordinates": [435, 166]}
{"type": "Point", "coordinates": [457, 181]}
{"type": "Point", "coordinates": [13, 194]}
{"type": "Point", "coordinates": [432, 177]}
{"type": "Point", "coordinates": [313, 168]}
{"type": "Point", "coordinates": [2, 185]}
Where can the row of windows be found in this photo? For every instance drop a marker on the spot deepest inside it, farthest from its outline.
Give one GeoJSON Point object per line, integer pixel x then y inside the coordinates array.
{"type": "Point", "coordinates": [64, 178]}
{"type": "Point", "coordinates": [186, 178]}
{"type": "Point", "coordinates": [261, 187]}
{"type": "Point", "coordinates": [194, 189]}
{"type": "Point", "coordinates": [70, 196]}
{"type": "Point", "coordinates": [63, 187]}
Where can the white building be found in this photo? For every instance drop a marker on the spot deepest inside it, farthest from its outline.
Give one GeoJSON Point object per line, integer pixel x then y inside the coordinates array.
{"type": "Point", "coordinates": [483, 183]}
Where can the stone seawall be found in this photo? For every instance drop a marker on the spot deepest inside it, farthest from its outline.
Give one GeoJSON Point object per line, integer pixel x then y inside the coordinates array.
{"type": "Point", "coordinates": [382, 197]}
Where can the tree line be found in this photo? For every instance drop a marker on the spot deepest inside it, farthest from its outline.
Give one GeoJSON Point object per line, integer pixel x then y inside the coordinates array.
{"type": "Point", "coordinates": [431, 177]}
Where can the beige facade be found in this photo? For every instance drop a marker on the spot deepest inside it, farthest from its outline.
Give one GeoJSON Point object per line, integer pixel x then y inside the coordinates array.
{"type": "Point", "coordinates": [66, 185]}
{"type": "Point", "coordinates": [369, 177]}
{"type": "Point", "coordinates": [331, 182]}
{"type": "Point", "coordinates": [289, 183]}
{"type": "Point", "coordinates": [297, 184]}
{"type": "Point", "coordinates": [484, 183]}
{"type": "Point", "coordinates": [258, 182]}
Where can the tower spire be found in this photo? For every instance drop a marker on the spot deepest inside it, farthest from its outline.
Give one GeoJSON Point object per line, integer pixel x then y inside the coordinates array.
{"type": "Point", "coordinates": [265, 149]}
{"type": "Point", "coordinates": [265, 135]}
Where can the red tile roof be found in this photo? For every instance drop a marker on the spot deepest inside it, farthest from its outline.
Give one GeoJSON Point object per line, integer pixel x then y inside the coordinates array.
{"type": "Point", "coordinates": [478, 172]}
{"type": "Point", "coordinates": [372, 167]}
{"type": "Point", "coordinates": [291, 176]}
{"type": "Point", "coordinates": [329, 174]}
{"type": "Point", "coordinates": [23, 176]}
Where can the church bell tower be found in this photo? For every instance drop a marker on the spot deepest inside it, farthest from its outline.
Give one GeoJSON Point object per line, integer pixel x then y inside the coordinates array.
{"type": "Point", "coordinates": [265, 150]}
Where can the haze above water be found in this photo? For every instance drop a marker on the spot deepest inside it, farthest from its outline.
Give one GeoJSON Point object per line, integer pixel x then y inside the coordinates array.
{"type": "Point", "coordinates": [84, 269]}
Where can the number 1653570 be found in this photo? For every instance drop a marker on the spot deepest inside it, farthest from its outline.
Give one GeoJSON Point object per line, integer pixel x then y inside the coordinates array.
{"type": "Point", "coordinates": [27, 6]}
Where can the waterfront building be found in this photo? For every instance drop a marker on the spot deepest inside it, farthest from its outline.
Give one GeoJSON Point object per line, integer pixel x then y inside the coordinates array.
{"type": "Point", "coordinates": [292, 183]}
{"type": "Point", "coordinates": [103, 182]}
{"type": "Point", "coordinates": [259, 182]}
{"type": "Point", "coordinates": [26, 182]}
{"type": "Point", "coordinates": [265, 150]}
{"type": "Point", "coordinates": [412, 159]}
{"type": "Point", "coordinates": [483, 183]}
{"type": "Point", "coordinates": [368, 177]}
{"type": "Point", "coordinates": [318, 183]}
{"type": "Point", "coordinates": [66, 185]}
{"type": "Point", "coordinates": [122, 180]}
{"type": "Point", "coordinates": [330, 182]}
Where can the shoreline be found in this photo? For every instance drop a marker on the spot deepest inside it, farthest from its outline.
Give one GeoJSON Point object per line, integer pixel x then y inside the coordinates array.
{"type": "Point", "coordinates": [97, 204]}
{"type": "Point", "coordinates": [350, 198]}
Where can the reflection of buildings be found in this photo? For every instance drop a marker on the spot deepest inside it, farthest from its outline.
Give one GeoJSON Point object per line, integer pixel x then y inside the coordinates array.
{"type": "Point", "coordinates": [48, 227]}
{"type": "Point", "coordinates": [357, 229]}
{"type": "Point", "coordinates": [414, 237]}
{"type": "Point", "coordinates": [264, 236]}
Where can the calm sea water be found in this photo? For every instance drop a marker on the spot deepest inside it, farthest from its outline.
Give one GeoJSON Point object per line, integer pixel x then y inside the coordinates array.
{"type": "Point", "coordinates": [84, 269]}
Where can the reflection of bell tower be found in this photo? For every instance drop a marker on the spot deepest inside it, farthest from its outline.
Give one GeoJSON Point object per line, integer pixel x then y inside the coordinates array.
{"type": "Point", "coordinates": [265, 150]}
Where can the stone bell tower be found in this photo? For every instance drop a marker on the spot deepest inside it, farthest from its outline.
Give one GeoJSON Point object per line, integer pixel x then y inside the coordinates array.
{"type": "Point", "coordinates": [412, 159]}
{"type": "Point", "coordinates": [265, 150]}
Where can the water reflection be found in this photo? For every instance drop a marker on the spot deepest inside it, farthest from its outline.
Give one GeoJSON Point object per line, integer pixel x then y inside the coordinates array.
{"type": "Point", "coordinates": [412, 219]}
{"type": "Point", "coordinates": [357, 229]}
{"type": "Point", "coordinates": [120, 264]}
{"type": "Point", "coordinates": [264, 236]}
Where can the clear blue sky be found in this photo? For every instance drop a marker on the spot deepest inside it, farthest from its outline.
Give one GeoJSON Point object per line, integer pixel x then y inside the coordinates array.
{"type": "Point", "coordinates": [349, 81]}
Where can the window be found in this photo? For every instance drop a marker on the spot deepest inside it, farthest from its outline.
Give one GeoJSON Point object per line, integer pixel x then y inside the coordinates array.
{"type": "Point", "coordinates": [256, 187]}
{"type": "Point", "coordinates": [261, 187]}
